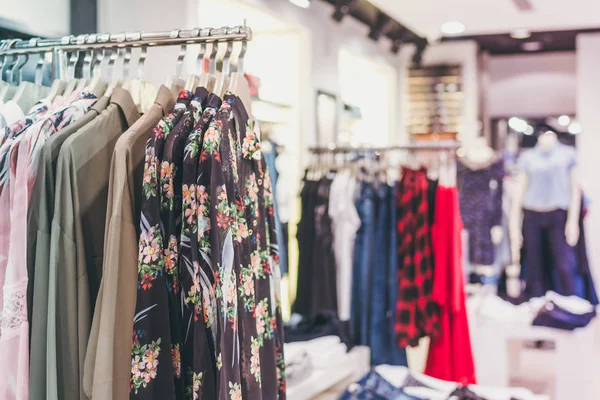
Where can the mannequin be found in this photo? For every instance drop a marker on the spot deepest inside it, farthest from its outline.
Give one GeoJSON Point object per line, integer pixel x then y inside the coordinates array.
{"type": "Point", "coordinates": [481, 153]}
{"type": "Point", "coordinates": [480, 174]}
{"type": "Point", "coordinates": [542, 173]}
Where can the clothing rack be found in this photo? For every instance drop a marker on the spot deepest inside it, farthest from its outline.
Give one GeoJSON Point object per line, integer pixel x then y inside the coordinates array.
{"type": "Point", "coordinates": [125, 40]}
{"type": "Point", "coordinates": [90, 43]}
{"type": "Point", "coordinates": [431, 146]}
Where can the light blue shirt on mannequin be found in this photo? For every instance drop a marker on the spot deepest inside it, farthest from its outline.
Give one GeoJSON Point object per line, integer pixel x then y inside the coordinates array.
{"type": "Point", "coordinates": [549, 177]}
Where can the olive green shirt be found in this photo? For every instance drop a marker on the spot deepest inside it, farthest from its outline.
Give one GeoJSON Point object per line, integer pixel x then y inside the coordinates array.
{"type": "Point", "coordinates": [39, 220]}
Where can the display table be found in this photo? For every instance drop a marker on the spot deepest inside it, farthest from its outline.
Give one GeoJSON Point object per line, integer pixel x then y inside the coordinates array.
{"type": "Point", "coordinates": [493, 341]}
{"type": "Point", "coordinates": [343, 371]}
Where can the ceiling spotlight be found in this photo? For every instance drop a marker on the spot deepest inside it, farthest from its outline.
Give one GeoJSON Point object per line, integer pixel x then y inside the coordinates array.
{"type": "Point", "coordinates": [518, 124]}
{"type": "Point", "coordinates": [575, 128]}
{"type": "Point", "coordinates": [529, 130]}
{"type": "Point", "coordinates": [453, 28]}
{"type": "Point", "coordinates": [532, 46]}
{"type": "Point", "coordinates": [301, 3]}
{"type": "Point", "coordinates": [564, 120]}
{"type": "Point", "coordinates": [520, 34]}
{"type": "Point", "coordinates": [342, 8]}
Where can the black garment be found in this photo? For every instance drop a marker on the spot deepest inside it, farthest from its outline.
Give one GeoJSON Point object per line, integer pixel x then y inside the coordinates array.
{"type": "Point", "coordinates": [324, 277]}
{"type": "Point", "coordinates": [317, 280]}
{"type": "Point", "coordinates": [325, 323]}
{"type": "Point", "coordinates": [305, 235]}
{"type": "Point", "coordinates": [547, 254]}
{"type": "Point", "coordinates": [432, 185]}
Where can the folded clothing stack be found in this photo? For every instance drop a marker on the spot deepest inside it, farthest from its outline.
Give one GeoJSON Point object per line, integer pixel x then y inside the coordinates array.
{"type": "Point", "coordinates": [388, 382]}
{"type": "Point", "coordinates": [321, 353]}
{"type": "Point", "coordinates": [552, 310]}
{"type": "Point", "coordinates": [326, 323]}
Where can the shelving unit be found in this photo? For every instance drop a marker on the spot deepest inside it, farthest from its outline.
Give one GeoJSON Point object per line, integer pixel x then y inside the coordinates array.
{"type": "Point", "coordinates": [434, 102]}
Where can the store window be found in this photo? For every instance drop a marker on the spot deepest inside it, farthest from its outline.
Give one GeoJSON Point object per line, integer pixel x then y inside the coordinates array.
{"type": "Point", "coordinates": [368, 92]}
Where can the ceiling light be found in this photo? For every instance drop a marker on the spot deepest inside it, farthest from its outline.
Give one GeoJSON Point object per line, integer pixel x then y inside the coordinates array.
{"type": "Point", "coordinates": [453, 28]}
{"type": "Point", "coordinates": [564, 120]}
{"type": "Point", "coordinates": [529, 130]}
{"type": "Point", "coordinates": [575, 128]}
{"type": "Point", "coordinates": [301, 3]}
{"type": "Point", "coordinates": [518, 124]}
{"type": "Point", "coordinates": [520, 34]}
{"type": "Point", "coordinates": [532, 46]}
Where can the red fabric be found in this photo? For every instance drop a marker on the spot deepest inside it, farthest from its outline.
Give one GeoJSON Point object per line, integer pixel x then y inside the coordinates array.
{"type": "Point", "coordinates": [416, 312]}
{"type": "Point", "coordinates": [450, 356]}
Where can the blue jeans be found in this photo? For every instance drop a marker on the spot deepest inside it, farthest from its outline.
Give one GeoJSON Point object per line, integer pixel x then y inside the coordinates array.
{"type": "Point", "coordinates": [374, 387]}
{"type": "Point", "coordinates": [363, 254]}
{"type": "Point", "coordinates": [282, 244]}
{"type": "Point", "coordinates": [384, 282]}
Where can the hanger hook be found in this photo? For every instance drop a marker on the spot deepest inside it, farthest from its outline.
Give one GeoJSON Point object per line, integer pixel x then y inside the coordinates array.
{"type": "Point", "coordinates": [88, 59]}
{"type": "Point", "coordinates": [212, 64]}
{"type": "Point", "coordinates": [126, 61]}
{"type": "Point", "coordinates": [202, 51]}
{"type": "Point", "coordinates": [18, 73]}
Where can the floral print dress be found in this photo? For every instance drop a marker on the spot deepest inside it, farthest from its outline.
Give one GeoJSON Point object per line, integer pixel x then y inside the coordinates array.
{"type": "Point", "coordinates": [231, 327]}
{"type": "Point", "coordinates": [152, 350]}
{"type": "Point", "coordinates": [198, 330]}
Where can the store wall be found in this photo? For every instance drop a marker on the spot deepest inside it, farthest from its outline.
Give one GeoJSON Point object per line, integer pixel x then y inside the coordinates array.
{"type": "Point", "coordinates": [588, 142]}
{"type": "Point", "coordinates": [464, 53]}
{"type": "Point", "coordinates": [531, 85]}
{"type": "Point", "coordinates": [48, 20]}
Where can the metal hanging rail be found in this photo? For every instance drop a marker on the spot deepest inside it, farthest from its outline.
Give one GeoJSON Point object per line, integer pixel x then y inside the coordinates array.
{"type": "Point", "coordinates": [442, 145]}
{"type": "Point", "coordinates": [128, 39]}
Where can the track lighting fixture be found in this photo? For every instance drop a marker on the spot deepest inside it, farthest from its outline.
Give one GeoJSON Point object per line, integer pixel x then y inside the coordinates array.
{"type": "Point", "coordinates": [379, 26]}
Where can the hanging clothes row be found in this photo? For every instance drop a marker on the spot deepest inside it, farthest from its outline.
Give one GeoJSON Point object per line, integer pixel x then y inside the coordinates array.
{"type": "Point", "coordinates": [138, 236]}
{"type": "Point", "coordinates": [371, 258]}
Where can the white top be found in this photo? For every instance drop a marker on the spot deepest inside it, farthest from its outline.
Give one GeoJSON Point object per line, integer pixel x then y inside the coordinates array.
{"type": "Point", "coordinates": [345, 221]}
{"type": "Point", "coordinates": [11, 113]}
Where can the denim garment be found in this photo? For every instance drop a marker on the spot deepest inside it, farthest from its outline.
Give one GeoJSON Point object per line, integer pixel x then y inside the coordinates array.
{"type": "Point", "coordinates": [378, 339]}
{"type": "Point", "coordinates": [270, 160]}
{"type": "Point", "coordinates": [363, 256]}
{"type": "Point", "coordinates": [396, 355]}
{"type": "Point", "coordinates": [374, 387]}
{"type": "Point", "coordinates": [553, 316]}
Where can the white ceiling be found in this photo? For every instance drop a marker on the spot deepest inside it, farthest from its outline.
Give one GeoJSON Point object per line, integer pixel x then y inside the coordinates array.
{"type": "Point", "coordinates": [492, 16]}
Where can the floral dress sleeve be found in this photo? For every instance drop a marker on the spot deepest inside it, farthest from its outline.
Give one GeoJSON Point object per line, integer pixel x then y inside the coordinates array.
{"type": "Point", "coordinates": [264, 348]}
{"type": "Point", "coordinates": [152, 372]}
{"type": "Point", "coordinates": [198, 328]}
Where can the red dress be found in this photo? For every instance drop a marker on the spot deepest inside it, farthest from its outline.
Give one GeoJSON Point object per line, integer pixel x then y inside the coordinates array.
{"type": "Point", "coordinates": [450, 357]}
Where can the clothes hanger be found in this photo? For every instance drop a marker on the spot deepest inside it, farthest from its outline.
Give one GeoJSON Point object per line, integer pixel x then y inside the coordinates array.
{"type": "Point", "coordinates": [58, 85]}
{"type": "Point", "coordinates": [174, 82]}
{"type": "Point", "coordinates": [113, 78]}
{"type": "Point", "coordinates": [212, 61]}
{"type": "Point", "coordinates": [207, 80]}
{"type": "Point", "coordinates": [192, 81]}
{"type": "Point", "coordinates": [98, 84]}
{"type": "Point", "coordinates": [72, 81]}
{"type": "Point", "coordinates": [7, 91]}
{"type": "Point", "coordinates": [238, 84]}
{"type": "Point", "coordinates": [83, 80]}
{"type": "Point", "coordinates": [222, 82]}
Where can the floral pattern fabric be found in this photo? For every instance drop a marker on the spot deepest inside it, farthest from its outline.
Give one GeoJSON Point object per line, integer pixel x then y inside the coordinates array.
{"type": "Point", "coordinates": [152, 332]}
{"type": "Point", "coordinates": [228, 263]}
